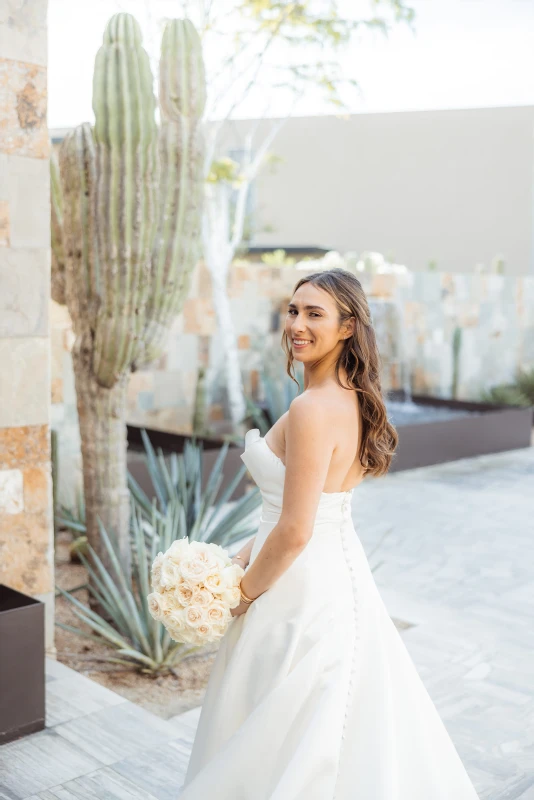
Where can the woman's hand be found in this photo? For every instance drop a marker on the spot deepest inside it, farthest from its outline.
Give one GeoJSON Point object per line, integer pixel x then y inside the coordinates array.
{"type": "Point", "coordinates": [242, 608]}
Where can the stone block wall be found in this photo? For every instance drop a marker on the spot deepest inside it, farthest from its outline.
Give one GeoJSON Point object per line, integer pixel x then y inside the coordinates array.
{"type": "Point", "coordinates": [26, 537]}
{"type": "Point", "coordinates": [415, 315]}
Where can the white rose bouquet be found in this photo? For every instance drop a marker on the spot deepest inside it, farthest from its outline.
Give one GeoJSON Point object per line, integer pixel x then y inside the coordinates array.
{"type": "Point", "coordinates": [195, 585]}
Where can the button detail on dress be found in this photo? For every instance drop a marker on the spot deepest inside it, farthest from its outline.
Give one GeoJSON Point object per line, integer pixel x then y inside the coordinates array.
{"type": "Point", "coordinates": [345, 524]}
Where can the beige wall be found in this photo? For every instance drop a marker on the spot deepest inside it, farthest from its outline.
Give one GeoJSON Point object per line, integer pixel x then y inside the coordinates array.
{"type": "Point", "coordinates": [26, 538]}
{"type": "Point", "coordinates": [450, 186]}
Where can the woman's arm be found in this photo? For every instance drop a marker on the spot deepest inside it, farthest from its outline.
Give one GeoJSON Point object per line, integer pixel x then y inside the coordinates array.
{"type": "Point", "coordinates": [244, 553]}
{"type": "Point", "coordinates": [309, 448]}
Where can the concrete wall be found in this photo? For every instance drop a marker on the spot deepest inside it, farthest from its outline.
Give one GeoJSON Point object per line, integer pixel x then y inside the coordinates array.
{"type": "Point", "coordinates": [454, 187]}
{"type": "Point", "coordinates": [26, 538]}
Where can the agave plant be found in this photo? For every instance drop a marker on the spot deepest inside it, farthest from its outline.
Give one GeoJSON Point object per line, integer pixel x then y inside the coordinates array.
{"type": "Point", "coordinates": [181, 505]}
{"type": "Point", "coordinates": [181, 508]}
{"type": "Point", "coordinates": [129, 630]}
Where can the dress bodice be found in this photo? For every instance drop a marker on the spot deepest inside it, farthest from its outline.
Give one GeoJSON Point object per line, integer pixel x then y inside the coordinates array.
{"type": "Point", "coordinates": [268, 472]}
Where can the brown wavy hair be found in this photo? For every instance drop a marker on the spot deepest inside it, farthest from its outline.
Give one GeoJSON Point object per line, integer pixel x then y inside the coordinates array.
{"type": "Point", "coordinates": [361, 359]}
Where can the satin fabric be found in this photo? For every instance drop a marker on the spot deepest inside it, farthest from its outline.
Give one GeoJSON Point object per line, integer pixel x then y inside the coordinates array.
{"type": "Point", "coordinates": [313, 694]}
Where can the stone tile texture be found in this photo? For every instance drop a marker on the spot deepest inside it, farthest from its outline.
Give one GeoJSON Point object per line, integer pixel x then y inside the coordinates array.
{"type": "Point", "coordinates": [452, 551]}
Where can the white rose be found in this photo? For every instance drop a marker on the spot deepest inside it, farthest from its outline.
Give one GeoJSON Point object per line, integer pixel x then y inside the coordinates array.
{"type": "Point", "coordinates": [220, 554]}
{"type": "Point", "coordinates": [169, 575]}
{"type": "Point", "coordinates": [204, 631]}
{"type": "Point", "coordinates": [218, 613]}
{"type": "Point", "coordinates": [154, 605]}
{"type": "Point", "coordinates": [195, 616]}
{"type": "Point", "coordinates": [231, 596]}
{"type": "Point", "coordinates": [182, 634]}
{"type": "Point", "coordinates": [156, 572]}
{"type": "Point", "coordinates": [178, 550]}
{"type": "Point", "coordinates": [195, 569]}
{"type": "Point", "coordinates": [183, 593]}
{"type": "Point", "coordinates": [176, 618]}
{"type": "Point", "coordinates": [201, 597]}
{"type": "Point", "coordinates": [218, 631]}
{"type": "Point", "coordinates": [204, 551]}
{"type": "Point", "coordinates": [232, 575]}
{"type": "Point", "coordinates": [215, 582]}
{"type": "Point", "coordinates": [169, 604]}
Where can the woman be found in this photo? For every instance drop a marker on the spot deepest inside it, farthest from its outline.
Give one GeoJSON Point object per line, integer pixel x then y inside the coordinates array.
{"type": "Point", "coordinates": [312, 694]}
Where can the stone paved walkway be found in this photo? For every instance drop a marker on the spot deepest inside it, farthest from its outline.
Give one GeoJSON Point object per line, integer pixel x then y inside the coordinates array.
{"type": "Point", "coordinates": [455, 565]}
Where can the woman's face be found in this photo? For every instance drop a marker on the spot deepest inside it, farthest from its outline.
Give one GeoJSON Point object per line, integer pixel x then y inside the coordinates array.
{"type": "Point", "coordinates": [312, 317]}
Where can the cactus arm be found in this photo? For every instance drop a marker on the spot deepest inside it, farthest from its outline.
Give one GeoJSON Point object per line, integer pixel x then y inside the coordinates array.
{"type": "Point", "coordinates": [181, 146]}
{"type": "Point", "coordinates": [127, 166]}
{"type": "Point", "coordinates": [56, 227]}
{"type": "Point", "coordinates": [77, 162]}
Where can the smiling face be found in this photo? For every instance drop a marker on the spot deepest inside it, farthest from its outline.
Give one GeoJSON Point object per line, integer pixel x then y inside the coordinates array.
{"type": "Point", "coordinates": [312, 325]}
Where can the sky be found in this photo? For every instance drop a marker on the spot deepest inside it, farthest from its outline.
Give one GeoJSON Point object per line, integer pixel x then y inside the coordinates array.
{"type": "Point", "coordinates": [463, 54]}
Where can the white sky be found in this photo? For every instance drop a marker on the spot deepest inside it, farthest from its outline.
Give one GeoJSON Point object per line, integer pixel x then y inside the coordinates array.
{"type": "Point", "coordinates": [464, 54]}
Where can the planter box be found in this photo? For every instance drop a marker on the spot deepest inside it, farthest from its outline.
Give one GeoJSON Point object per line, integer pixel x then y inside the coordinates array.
{"type": "Point", "coordinates": [492, 429]}
{"type": "Point", "coordinates": [474, 429]}
{"type": "Point", "coordinates": [174, 443]}
{"type": "Point", "coordinates": [22, 665]}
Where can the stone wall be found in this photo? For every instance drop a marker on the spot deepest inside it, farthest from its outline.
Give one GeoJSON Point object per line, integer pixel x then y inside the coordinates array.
{"type": "Point", "coordinates": [26, 538]}
{"type": "Point", "coordinates": [414, 314]}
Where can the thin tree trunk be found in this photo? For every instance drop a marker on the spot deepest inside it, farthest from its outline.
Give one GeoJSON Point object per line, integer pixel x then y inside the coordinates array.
{"type": "Point", "coordinates": [219, 252]}
{"type": "Point", "coordinates": [226, 332]}
{"type": "Point", "coordinates": [101, 414]}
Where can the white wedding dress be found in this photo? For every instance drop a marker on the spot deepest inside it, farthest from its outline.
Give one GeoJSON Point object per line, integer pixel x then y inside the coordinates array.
{"type": "Point", "coordinates": [313, 694]}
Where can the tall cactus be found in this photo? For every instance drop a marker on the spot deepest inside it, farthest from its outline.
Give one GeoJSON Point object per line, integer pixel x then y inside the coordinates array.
{"type": "Point", "coordinates": [131, 222]}
{"type": "Point", "coordinates": [182, 98]}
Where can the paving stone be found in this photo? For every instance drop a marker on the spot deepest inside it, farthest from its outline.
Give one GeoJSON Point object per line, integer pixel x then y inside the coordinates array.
{"type": "Point", "coordinates": [455, 555]}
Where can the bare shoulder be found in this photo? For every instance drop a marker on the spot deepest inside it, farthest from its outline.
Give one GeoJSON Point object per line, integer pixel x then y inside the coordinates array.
{"type": "Point", "coordinates": [309, 403]}
{"type": "Point", "coordinates": [316, 411]}
{"type": "Point", "coordinates": [308, 413]}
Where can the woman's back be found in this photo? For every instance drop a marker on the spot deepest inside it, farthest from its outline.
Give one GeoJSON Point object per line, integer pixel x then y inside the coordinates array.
{"type": "Point", "coordinates": [345, 470]}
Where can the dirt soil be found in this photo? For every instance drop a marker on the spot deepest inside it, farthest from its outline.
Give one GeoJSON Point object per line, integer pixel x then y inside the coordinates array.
{"type": "Point", "coordinates": [164, 696]}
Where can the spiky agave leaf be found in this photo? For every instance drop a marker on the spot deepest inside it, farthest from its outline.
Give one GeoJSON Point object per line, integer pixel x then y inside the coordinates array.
{"type": "Point", "coordinates": [132, 632]}
{"type": "Point", "coordinates": [187, 509]}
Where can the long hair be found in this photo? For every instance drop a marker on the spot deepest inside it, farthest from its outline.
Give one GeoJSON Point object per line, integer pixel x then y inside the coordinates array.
{"type": "Point", "coordinates": [361, 360]}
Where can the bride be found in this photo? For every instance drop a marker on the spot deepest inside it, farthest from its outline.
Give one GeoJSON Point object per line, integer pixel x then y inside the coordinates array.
{"type": "Point", "coordinates": [312, 694]}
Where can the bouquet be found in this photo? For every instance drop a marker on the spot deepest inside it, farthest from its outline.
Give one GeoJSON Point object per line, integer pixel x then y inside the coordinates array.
{"type": "Point", "coordinates": [195, 584]}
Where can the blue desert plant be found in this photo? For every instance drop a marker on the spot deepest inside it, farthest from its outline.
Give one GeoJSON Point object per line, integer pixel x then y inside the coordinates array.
{"type": "Point", "coordinates": [181, 508]}
{"type": "Point", "coordinates": [126, 626]}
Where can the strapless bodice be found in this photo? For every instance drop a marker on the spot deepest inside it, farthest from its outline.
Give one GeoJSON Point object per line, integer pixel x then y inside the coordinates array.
{"type": "Point", "coordinates": [268, 472]}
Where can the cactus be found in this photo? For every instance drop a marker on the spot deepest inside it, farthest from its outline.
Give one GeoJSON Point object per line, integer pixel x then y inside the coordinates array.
{"type": "Point", "coordinates": [56, 228]}
{"type": "Point", "coordinates": [182, 95]}
{"type": "Point", "coordinates": [200, 409]}
{"type": "Point", "coordinates": [456, 348]}
{"type": "Point", "coordinates": [131, 206]}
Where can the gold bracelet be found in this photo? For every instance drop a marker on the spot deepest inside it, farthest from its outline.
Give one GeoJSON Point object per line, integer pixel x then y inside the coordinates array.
{"type": "Point", "coordinates": [244, 597]}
